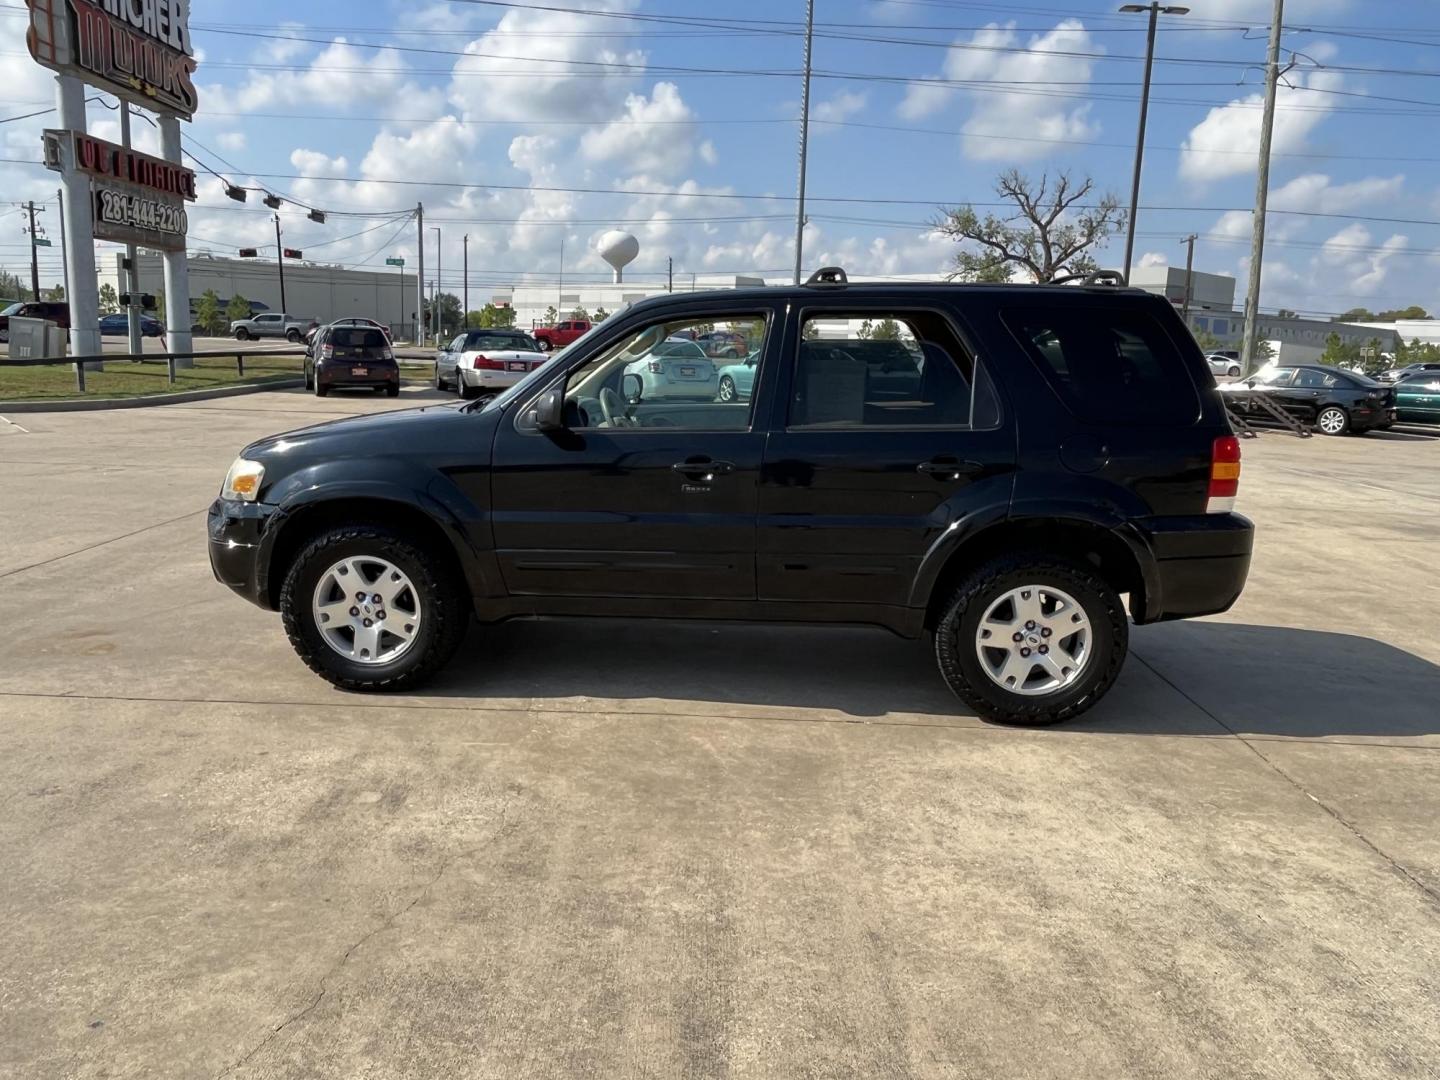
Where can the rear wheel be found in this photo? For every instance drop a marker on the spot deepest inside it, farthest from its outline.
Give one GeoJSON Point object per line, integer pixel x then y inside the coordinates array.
{"type": "Point", "coordinates": [727, 389]}
{"type": "Point", "coordinates": [309, 379]}
{"type": "Point", "coordinates": [1234, 371]}
{"type": "Point", "coordinates": [544, 345]}
{"type": "Point", "coordinates": [372, 609]}
{"type": "Point", "coordinates": [392, 391]}
{"type": "Point", "coordinates": [466, 394]}
{"type": "Point", "coordinates": [1333, 420]}
{"type": "Point", "coordinates": [320, 390]}
{"type": "Point", "coordinates": [1031, 639]}
{"type": "Point", "coordinates": [292, 335]}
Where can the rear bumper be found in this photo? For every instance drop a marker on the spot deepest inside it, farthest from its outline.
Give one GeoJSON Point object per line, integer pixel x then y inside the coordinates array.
{"type": "Point", "coordinates": [1198, 565]}
{"type": "Point", "coordinates": [489, 378]}
{"type": "Point", "coordinates": [329, 374]}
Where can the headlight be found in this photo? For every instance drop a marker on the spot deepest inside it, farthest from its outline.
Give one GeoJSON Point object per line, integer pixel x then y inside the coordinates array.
{"type": "Point", "coordinates": [243, 480]}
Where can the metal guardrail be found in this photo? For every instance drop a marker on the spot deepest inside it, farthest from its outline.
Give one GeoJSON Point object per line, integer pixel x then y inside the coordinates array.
{"type": "Point", "coordinates": [168, 359]}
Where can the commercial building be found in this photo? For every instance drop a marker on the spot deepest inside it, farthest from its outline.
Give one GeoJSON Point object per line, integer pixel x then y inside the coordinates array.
{"type": "Point", "coordinates": [532, 303]}
{"type": "Point", "coordinates": [1294, 340]}
{"type": "Point", "coordinates": [312, 290]}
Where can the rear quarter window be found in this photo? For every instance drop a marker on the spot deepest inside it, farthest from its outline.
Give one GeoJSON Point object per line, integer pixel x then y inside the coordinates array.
{"type": "Point", "coordinates": [1108, 364]}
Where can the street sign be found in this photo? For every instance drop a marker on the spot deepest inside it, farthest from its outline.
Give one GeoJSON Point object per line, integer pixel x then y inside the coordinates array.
{"type": "Point", "coordinates": [394, 262]}
{"type": "Point", "coordinates": [40, 241]}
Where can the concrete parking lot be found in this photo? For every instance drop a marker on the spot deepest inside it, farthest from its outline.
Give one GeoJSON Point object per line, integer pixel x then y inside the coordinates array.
{"type": "Point", "coordinates": [622, 849]}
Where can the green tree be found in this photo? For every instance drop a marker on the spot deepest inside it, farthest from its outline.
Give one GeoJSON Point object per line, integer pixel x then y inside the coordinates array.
{"type": "Point", "coordinates": [1416, 353]}
{"type": "Point", "coordinates": [1414, 311]}
{"type": "Point", "coordinates": [887, 329]}
{"type": "Point", "coordinates": [475, 320]}
{"type": "Point", "coordinates": [1207, 341]}
{"type": "Point", "coordinates": [1285, 313]}
{"type": "Point", "coordinates": [581, 314]}
{"type": "Point", "coordinates": [12, 288]}
{"type": "Point", "coordinates": [551, 315]}
{"type": "Point", "coordinates": [1339, 353]}
{"type": "Point", "coordinates": [451, 315]}
{"type": "Point", "coordinates": [109, 301]}
{"type": "Point", "coordinates": [238, 308]}
{"type": "Point", "coordinates": [1356, 314]}
{"type": "Point", "coordinates": [504, 316]}
{"type": "Point", "coordinates": [600, 314]}
{"type": "Point", "coordinates": [208, 315]}
{"type": "Point", "coordinates": [159, 311]}
{"type": "Point", "coordinates": [55, 292]}
{"type": "Point", "coordinates": [1049, 234]}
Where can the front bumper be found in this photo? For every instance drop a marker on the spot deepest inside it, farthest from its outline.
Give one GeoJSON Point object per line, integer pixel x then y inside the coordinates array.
{"type": "Point", "coordinates": [237, 530]}
{"type": "Point", "coordinates": [1199, 567]}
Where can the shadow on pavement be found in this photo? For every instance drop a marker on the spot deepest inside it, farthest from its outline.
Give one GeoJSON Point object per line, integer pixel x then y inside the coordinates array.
{"type": "Point", "coordinates": [1253, 679]}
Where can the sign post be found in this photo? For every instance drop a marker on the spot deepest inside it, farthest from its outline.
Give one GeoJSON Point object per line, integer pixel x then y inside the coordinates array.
{"type": "Point", "coordinates": [140, 51]}
{"type": "Point", "coordinates": [395, 261]}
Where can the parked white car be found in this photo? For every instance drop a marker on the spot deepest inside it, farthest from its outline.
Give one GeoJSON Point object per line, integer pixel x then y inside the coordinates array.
{"type": "Point", "coordinates": [487, 361]}
{"type": "Point", "coordinates": [1221, 364]}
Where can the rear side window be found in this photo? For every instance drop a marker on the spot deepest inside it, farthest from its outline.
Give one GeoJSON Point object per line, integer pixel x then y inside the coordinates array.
{"type": "Point", "coordinates": [1111, 365]}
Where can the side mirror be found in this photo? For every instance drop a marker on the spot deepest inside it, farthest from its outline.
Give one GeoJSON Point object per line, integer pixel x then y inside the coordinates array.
{"type": "Point", "coordinates": [1250, 382]}
{"type": "Point", "coordinates": [633, 387]}
{"type": "Point", "coordinates": [550, 410]}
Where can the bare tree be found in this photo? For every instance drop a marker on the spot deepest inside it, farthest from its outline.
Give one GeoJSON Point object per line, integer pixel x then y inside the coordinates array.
{"type": "Point", "coordinates": [1043, 235]}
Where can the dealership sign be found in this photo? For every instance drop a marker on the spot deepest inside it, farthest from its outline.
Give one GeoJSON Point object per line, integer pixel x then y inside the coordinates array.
{"type": "Point", "coordinates": [105, 159]}
{"type": "Point", "coordinates": [137, 49]}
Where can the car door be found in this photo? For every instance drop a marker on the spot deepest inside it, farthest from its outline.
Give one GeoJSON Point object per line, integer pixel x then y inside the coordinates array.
{"type": "Point", "coordinates": [449, 357]}
{"type": "Point", "coordinates": [1418, 399]}
{"type": "Point", "coordinates": [888, 434]}
{"type": "Point", "coordinates": [647, 500]}
{"type": "Point", "coordinates": [1310, 390]}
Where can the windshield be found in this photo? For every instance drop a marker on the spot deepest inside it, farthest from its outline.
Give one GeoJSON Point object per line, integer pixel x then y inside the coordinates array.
{"type": "Point", "coordinates": [12, 309]}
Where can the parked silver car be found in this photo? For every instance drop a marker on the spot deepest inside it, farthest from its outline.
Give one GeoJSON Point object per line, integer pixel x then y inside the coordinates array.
{"type": "Point", "coordinates": [271, 324]}
{"type": "Point", "coordinates": [676, 370]}
{"type": "Point", "coordinates": [486, 361]}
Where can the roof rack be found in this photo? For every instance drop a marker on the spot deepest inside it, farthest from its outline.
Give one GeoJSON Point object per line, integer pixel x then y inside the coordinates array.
{"type": "Point", "coordinates": [828, 275]}
{"type": "Point", "coordinates": [1094, 277]}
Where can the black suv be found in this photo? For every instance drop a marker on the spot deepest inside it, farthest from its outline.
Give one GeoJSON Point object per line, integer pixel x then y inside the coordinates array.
{"type": "Point", "coordinates": [992, 464]}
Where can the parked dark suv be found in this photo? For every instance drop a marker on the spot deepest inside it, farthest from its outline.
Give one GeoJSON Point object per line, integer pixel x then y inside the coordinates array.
{"type": "Point", "coordinates": [997, 470]}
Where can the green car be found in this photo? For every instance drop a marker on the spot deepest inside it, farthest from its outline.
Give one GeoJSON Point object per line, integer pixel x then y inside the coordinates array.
{"type": "Point", "coordinates": [1417, 399]}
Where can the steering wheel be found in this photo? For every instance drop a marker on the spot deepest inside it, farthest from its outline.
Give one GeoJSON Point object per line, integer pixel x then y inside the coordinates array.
{"type": "Point", "coordinates": [613, 408]}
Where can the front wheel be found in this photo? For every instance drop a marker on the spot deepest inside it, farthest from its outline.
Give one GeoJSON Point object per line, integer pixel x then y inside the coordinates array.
{"type": "Point", "coordinates": [727, 389]}
{"type": "Point", "coordinates": [371, 609]}
{"type": "Point", "coordinates": [1234, 372]}
{"type": "Point", "coordinates": [544, 345]}
{"type": "Point", "coordinates": [242, 334]}
{"type": "Point", "coordinates": [1333, 420]}
{"type": "Point", "coordinates": [1031, 639]}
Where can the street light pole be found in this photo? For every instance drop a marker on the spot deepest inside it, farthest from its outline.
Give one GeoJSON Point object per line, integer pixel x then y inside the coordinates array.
{"type": "Point", "coordinates": [439, 285]}
{"type": "Point", "coordinates": [280, 262]}
{"type": "Point", "coordinates": [1154, 8]}
{"type": "Point", "coordinates": [804, 138]}
{"type": "Point", "coordinates": [1262, 191]}
{"type": "Point", "coordinates": [1189, 262]}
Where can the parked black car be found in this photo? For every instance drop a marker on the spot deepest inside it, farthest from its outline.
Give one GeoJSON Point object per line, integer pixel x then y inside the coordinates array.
{"type": "Point", "coordinates": [1004, 504]}
{"type": "Point", "coordinates": [1332, 400]}
{"type": "Point", "coordinates": [347, 355]}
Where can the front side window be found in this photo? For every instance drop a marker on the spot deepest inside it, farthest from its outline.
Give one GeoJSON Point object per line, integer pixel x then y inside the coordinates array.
{"type": "Point", "coordinates": [658, 377]}
{"type": "Point", "coordinates": [1275, 376]}
{"type": "Point", "coordinates": [897, 370]}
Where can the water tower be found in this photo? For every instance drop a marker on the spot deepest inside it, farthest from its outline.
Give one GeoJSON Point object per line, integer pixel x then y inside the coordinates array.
{"type": "Point", "coordinates": [619, 250]}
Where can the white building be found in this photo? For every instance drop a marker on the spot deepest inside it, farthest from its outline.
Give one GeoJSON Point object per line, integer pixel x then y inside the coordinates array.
{"type": "Point", "coordinates": [1425, 331]}
{"type": "Point", "coordinates": [312, 290]}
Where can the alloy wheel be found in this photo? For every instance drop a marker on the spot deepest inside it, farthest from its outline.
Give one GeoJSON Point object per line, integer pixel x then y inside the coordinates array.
{"type": "Point", "coordinates": [1331, 421]}
{"type": "Point", "coordinates": [367, 610]}
{"type": "Point", "coordinates": [1033, 640]}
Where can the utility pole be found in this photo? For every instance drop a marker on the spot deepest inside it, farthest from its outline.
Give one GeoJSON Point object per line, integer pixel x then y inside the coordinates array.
{"type": "Point", "coordinates": [419, 272]}
{"type": "Point", "coordinates": [34, 256]}
{"type": "Point", "coordinates": [669, 274]}
{"type": "Point", "coordinates": [560, 288]}
{"type": "Point", "coordinates": [804, 137]}
{"type": "Point", "coordinates": [132, 276]}
{"type": "Point", "coordinates": [1262, 191]}
{"type": "Point", "coordinates": [439, 285]}
{"type": "Point", "coordinates": [64, 258]}
{"type": "Point", "coordinates": [465, 286]}
{"type": "Point", "coordinates": [1154, 8]}
{"type": "Point", "coordinates": [280, 262]}
{"type": "Point", "coordinates": [1189, 262]}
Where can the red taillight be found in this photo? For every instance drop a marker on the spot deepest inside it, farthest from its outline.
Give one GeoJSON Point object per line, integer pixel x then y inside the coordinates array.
{"type": "Point", "coordinates": [657, 367]}
{"type": "Point", "coordinates": [482, 364]}
{"type": "Point", "coordinates": [386, 354]}
{"type": "Point", "coordinates": [327, 351]}
{"type": "Point", "coordinates": [1224, 474]}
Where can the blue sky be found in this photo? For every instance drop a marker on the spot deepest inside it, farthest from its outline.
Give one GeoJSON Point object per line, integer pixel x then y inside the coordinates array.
{"type": "Point", "coordinates": [674, 115]}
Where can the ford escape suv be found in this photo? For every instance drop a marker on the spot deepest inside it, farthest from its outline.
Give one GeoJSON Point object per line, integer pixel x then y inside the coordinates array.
{"type": "Point", "coordinates": [995, 466]}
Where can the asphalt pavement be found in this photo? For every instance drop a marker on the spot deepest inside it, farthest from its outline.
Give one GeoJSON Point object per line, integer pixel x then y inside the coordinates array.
{"type": "Point", "coordinates": [618, 849]}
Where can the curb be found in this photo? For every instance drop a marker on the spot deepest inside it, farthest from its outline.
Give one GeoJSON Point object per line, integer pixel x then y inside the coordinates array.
{"type": "Point", "coordinates": [147, 400]}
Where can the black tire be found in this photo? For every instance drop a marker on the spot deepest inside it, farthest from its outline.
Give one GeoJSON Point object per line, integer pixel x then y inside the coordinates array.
{"type": "Point", "coordinates": [309, 379]}
{"type": "Point", "coordinates": [440, 593]}
{"type": "Point", "coordinates": [321, 391]}
{"type": "Point", "coordinates": [392, 391]}
{"type": "Point", "coordinates": [242, 334]}
{"type": "Point", "coordinates": [727, 389]}
{"type": "Point", "coordinates": [1344, 422]}
{"type": "Point", "coordinates": [956, 634]}
{"type": "Point", "coordinates": [292, 336]}
{"type": "Point", "coordinates": [1233, 372]}
{"type": "Point", "coordinates": [466, 394]}
{"type": "Point", "coordinates": [440, 383]}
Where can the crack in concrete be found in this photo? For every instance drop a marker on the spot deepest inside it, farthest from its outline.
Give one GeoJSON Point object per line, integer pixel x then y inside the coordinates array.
{"type": "Point", "coordinates": [1395, 865]}
{"type": "Point", "coordinates": [100, 544]}
{"type": "Point", "coordinates": [385, 924]}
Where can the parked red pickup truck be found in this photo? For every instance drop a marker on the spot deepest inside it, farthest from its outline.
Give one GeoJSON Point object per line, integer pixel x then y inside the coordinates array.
{"type": "Point", "coordinates": [561, 334]}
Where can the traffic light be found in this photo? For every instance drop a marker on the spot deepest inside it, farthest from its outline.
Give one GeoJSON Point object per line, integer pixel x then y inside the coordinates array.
{"type": "Point", "coordinates": [126, 263]}
{"type": "Point", "coordinates": [147, 302]}
{"type": "Point", "coordinates": [292, 253]}
{"type": "Point", "coordinates": [249, 253]}
{"type": "Point", "coordinates": [124, 299]}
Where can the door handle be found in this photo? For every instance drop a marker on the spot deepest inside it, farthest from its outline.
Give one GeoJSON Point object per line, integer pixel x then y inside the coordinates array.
{"type": "Point", "coordinates": [703, 468]}
{"type": "Point", "coordinates": [949, 470]}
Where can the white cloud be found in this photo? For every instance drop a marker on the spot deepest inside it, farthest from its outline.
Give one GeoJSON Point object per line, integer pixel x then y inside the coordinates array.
{"type": "Point", "coordinates": [1154, 258]}
{"type": "Point", "coordinates": [708, 153]}
{"type": "Point", "coordinates": [1314, 191]}
{"type": "Point", "coordinates": [231, 140]}
{"type": "Point", "coordinates": [540, 65]}
{"type": "Point", "coordinates": [1363, 271]}
{"type": "Point", "coordinates": [837, 109]}
{"type": "Point", "coordinates": [652, 136]}
{"type": "Point", "coordinates": [1225, 142]}
{"type": "Point", "coordinates": [340, 75]}
{"type": "Point", "coordinates": [1011, 108]}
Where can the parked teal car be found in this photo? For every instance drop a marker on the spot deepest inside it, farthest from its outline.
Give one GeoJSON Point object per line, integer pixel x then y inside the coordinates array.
{"type": "Point", "coordinates": [738, 380]}
{"type": "Point", "coordinates": [1417, 399]}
